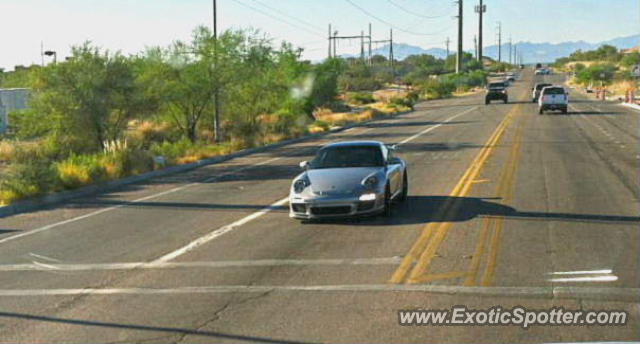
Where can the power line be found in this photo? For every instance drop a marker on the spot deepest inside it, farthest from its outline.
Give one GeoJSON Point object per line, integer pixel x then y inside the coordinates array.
{"type": "Point", "coordinates": [413, 13]}
{"type": "Point", "coordinates": [366, 12]}
{"type": "Point", "coordinates": [285, 14]}
{"type": "Point", "coordinates": [277, 19]}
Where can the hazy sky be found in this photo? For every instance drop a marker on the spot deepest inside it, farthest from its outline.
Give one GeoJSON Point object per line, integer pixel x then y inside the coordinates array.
{"type": "Point", "coordinates": [130, 25]}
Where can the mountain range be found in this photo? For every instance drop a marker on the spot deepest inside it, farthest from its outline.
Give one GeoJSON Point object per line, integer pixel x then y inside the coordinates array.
{"type": "Point", "coordinates": [531, 52]}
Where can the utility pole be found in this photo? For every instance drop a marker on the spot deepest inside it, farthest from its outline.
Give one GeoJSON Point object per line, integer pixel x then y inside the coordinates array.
{"type": "Point", "coordinates": [515, 54]}
{"type": "Point", "coordinates": [393, 64]}
{"type": "Point", "coordinates": [448, 41]}
{"type": "Point", "coordinates": [216, 92]}
{"type": "Point", "coordinates": [480, 9]}
{"type": "Point", "coordinates": [370, 57]}
{"type": "Point", "coordinates": [499, 42]}
{"type": "Point", "coordinates": [460, 52]}
{"type": "Point", "coordinates": [362, 46]}
{"type": "Point", "coordinates": [329, 55]}
{"type": "Point", "coordinates": [335, 43]}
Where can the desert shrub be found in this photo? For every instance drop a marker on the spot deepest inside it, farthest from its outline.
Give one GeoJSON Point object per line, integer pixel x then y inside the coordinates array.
{"type": "Point", "coordinates": [122, 163]}
{"type": "Point", "coordinates": [27, 179]}
{"type": "Point", "coordinates": [360, 98]}
{"type": "Point", "coordinates": [146, 133]}
{"type": "Point", "coordinates": [402, 102]}
{"type": "Point", "coordinates": [80, 170]}
{"type": "Point", "coordinates": [437, 89]}
{"type": "Point", "coordinates": [172, 150]}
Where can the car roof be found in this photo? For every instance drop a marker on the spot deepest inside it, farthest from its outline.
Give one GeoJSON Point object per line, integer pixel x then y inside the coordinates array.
{"type": "Point", "coordinates": [355, 143]}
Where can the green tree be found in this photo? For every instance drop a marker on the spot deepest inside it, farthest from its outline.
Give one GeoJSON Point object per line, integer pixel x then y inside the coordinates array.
{"type": "Point", "coordinates": [87, 100]}
{"type": "Point", "coordinates": [325, 84]}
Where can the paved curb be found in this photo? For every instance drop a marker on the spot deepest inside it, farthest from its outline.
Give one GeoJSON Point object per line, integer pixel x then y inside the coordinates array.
{"type": "Point", "coordinates": [52, 199]}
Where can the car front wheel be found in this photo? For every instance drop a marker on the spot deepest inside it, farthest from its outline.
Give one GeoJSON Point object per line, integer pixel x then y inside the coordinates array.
{"type": "Point", "coordinates": [387, 202]}
{"type": "Point", "coordinates": [405, 188]}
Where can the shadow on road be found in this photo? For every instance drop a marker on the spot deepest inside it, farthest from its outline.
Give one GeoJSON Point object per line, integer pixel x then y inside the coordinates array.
{"type": "Point", "coordinates": [424, 209]}
{"type": "Point", "coordinates": [6, 231]}
{"type": "Point", "coordinates": [594, 113]}
{"type": "Point", "coordinates": [436, 147]}
{"type": "Point", "coordinates": [135, 327]}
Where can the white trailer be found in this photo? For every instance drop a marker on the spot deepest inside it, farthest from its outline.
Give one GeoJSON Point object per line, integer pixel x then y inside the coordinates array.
{"type": "Point", "coordinates": [12, 99]}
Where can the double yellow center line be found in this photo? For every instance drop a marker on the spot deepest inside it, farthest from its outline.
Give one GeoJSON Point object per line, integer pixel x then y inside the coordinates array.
{"type": "Point", "coordinates": [416, 263]}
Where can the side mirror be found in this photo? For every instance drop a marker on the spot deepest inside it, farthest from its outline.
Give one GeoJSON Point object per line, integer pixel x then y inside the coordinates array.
{"type": "Point", "coordinates": [304, 165]}
{"type": "Point", "coordinates": [394, 161]}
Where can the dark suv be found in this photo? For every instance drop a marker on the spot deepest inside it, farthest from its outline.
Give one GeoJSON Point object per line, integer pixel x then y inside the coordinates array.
{"type": "Point", "coordinates": [496, 91]}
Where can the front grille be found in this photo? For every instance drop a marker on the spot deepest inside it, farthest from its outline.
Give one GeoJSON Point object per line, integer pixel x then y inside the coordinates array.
{"type": "Point", "coordinates": [299, 208]}
{"type": "Point", "coordinates": [368, 205]}
{"type": "Point", "coordinates": [342, 210]}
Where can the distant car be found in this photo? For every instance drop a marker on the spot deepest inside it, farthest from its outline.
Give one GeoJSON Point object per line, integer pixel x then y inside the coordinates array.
{"type": "Point", "coordinates": [539, 72]}
{"type": "Point", "coordinates": [553, 98]}
{"type": "Point", "coordinates": [511, 78]}
{"type": "Point", "coordinates": [535, 91]}
{"type": "Point", "coordinates": [496, 91]}
{"type": "Point", "coordinates": [349, 179]}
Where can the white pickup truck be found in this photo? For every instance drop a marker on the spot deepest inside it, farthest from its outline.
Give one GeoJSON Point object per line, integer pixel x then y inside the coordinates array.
{"type": "Point", "coordinates": [553, 98]}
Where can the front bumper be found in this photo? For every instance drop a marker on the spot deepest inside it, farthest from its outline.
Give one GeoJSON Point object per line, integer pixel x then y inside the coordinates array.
{"type": "Point", "coordinates": [496, 96]}
{"type": "Point", "coordinates": [333, 207]}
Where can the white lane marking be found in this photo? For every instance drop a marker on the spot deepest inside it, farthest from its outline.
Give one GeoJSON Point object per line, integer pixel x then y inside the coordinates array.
{"type": "Point", "coordinates": [585, 279]}
{"type": "Point", "coordinates": [211, 265]}
{"type": "Point", "coordinates": [411, 138]}
{"type": "Point", "coordinates": [44, 257]}
{"type": "Point", "coordinates": [218, 232]}
{"type": "Point", "coordinates": [599, 293]}
{"type": "Point", "coordinates": [586, 272]}
{"type": "Point", "coordinates": [146, 198]}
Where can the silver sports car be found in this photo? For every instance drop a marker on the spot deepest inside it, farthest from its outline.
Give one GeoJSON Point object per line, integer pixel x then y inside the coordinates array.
{"type": "Point", "coordinates": [349, 179]}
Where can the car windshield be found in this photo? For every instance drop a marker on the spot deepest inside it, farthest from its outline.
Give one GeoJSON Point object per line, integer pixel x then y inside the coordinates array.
{"type": "Point", "coordinates": [348, 156]}
{"type": "Point", "coordinates": [497, 85]}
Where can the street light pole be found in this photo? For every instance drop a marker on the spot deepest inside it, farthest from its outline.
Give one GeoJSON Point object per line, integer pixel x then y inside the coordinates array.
{"type": "Point", "coordinates": [52, 53]}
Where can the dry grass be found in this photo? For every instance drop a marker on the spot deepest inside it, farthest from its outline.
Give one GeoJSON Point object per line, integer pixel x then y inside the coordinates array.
{"type": "Point", "coordinates": [149, 131]}
{"type": "Point", "coordinates": [385, 96]}
{"type": "Point", "coordinates": [9, 196]}
{"type": "Point", "coordinates": [203, 152]}
{"type": "Point", "coordinates": [7, 151]}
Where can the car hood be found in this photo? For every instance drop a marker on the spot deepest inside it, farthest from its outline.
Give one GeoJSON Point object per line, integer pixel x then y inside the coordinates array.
{"type": "Point", "coordinates": [330, 181]}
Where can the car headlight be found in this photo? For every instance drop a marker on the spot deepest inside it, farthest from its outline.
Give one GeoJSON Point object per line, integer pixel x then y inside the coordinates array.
{"type": "Point", "coordinates": [368, 197]}
{"type": "Point", "coordinates": [371, 182]}
{"type": "Point", "coordinates": [300, 185]}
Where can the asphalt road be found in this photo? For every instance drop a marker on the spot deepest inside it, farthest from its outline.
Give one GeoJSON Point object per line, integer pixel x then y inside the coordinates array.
{"type": "Point", "coordinates": [506, 207]}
